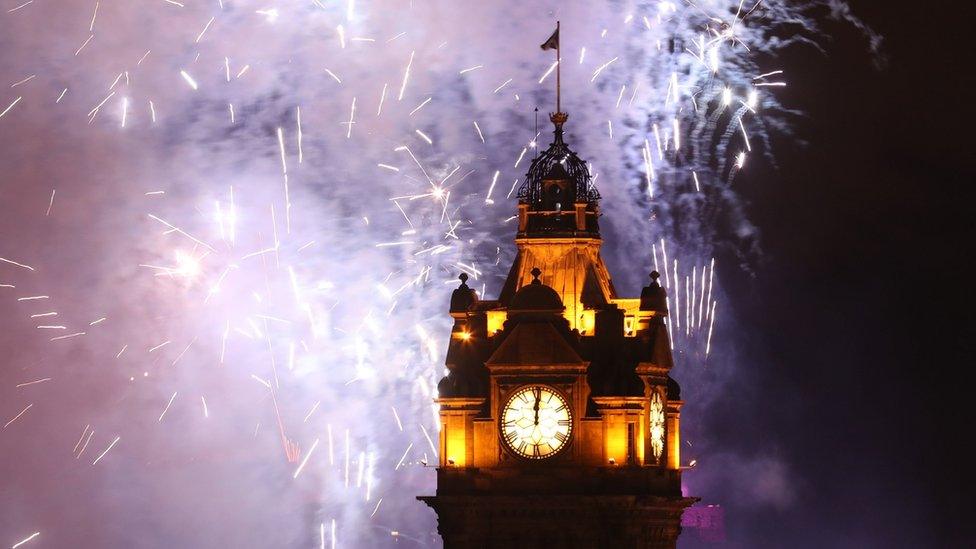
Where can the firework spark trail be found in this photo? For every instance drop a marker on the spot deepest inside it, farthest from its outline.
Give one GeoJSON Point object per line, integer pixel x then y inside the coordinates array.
{"type": "Point", "coordinates": [35, 382]}
{"type": "Point", "coordinates": [110, 446]}
{"type": "Point", "coordinates": [16, 417]}
{"type": "Point", "coordinates": [85, 445]}
{"type": "Point", "coordinates": [305, 460]}
{"type": "Point", "coordinates": [166, 409]}
{"type": "Point", "coordinates": [704, 107]}
{"type": "Point", "coordinates": [11, 106]}
{"type": "Point", "coordinates": [25, 540]}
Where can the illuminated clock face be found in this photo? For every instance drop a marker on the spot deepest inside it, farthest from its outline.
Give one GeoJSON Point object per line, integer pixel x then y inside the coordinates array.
{"type": "Point", "coordinates": [656, 421]}
{"type": "Point", "coordinates": [536, 422]}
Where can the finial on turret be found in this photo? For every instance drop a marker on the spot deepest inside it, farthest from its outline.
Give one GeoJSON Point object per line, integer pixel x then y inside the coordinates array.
{"type": "Point", "coordinates": [463, 297]}
{"type": "Point", "coordinates": [535, 272]}
{"type": "Point", "coordinates": [558, 118]}
{"type": "Point", "coordinates": [653, 297]}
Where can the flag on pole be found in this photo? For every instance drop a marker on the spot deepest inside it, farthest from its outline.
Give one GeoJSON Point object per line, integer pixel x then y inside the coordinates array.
{"type": "Point", "coordinates": [553, 42]}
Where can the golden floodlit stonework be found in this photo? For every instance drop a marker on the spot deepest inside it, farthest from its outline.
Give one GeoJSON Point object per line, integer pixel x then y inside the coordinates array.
{"type": "Point", "coordinates": [560, 422]}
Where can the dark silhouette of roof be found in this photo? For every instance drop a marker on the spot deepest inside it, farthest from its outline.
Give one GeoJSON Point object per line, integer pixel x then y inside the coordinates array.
{"type": "Point", "coordinates": [535, 343]}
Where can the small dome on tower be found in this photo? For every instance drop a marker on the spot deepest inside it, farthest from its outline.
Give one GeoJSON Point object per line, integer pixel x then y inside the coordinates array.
{"type": "Point", "coordinates": [558, 162]}
{"type": "Point", "coordinates": [536, 297]}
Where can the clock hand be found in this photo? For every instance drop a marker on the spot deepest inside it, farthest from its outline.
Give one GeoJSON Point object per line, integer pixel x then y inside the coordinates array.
{"type": "Point", "coordinates": [538, 397]}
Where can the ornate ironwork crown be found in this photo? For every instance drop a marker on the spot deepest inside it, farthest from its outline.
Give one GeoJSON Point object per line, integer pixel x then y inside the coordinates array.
{"type": "Point", "coordinates": [558, 162]}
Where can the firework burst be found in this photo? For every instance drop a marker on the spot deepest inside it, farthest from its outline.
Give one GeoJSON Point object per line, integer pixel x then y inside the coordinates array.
{"type": "Point", "coordinates": [229, 228]}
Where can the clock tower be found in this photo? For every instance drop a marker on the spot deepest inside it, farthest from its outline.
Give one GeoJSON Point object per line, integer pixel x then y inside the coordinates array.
{"type": "Point", "coordinates": [560, 423]}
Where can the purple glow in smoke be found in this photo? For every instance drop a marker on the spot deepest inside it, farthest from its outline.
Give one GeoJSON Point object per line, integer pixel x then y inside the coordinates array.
{"type": "Point", "coordinates": [240, 288]}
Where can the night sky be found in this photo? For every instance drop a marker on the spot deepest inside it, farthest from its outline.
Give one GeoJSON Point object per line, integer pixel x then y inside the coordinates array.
{"type": "Point", "coordinates": [858, 320]}
{"type": "Point", "coordinates": [830, 413]}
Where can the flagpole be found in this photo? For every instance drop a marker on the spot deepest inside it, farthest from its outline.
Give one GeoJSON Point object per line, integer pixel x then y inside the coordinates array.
{"type": "Point", "coordinates": [536, 136]}
{"type": "Point", "coordinates": [558, 65]}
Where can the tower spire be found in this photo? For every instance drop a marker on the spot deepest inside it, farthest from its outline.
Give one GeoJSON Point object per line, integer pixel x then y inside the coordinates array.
{"type": "Point", "coordinates": [558, 180]}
